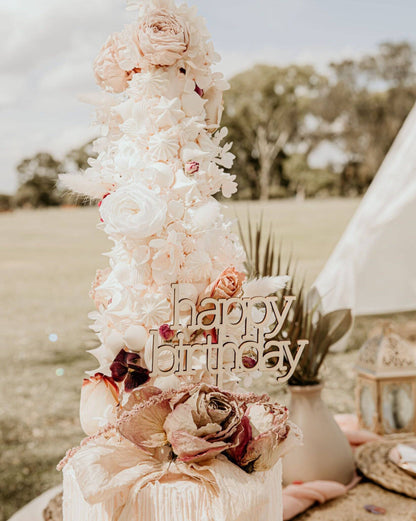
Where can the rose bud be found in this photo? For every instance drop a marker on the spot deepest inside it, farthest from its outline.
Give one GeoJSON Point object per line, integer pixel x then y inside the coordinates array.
{"type": "Point", "coordinates": [191, 168]}
{"type": "Point", "coordinates": [249, 362]}
{"type": "Point", "coordinates": [166, 332]}
{"type": "Point", "coordinates": [99, 398]}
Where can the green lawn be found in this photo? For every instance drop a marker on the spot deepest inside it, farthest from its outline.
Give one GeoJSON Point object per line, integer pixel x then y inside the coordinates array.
{"type": "Point", "coordinates": [48, 259]}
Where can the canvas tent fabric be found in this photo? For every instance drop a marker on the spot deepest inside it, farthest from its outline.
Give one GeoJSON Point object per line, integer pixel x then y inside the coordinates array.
{"type": "Point", "coordinates": [373, 268]}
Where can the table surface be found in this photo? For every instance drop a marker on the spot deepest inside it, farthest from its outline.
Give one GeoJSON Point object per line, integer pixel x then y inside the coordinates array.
{"type": "Point", "coordinates": [351, 506]}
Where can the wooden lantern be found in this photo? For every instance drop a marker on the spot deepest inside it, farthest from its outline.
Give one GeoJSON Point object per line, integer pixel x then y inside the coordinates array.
{"type": "Point", "coordinates": [386, 384]}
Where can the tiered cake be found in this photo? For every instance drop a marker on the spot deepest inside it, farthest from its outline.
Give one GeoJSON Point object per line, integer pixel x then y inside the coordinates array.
{"type": "Point", "coordinates": [170, 436]}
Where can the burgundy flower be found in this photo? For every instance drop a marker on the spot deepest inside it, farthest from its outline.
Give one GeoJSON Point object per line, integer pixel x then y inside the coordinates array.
{"type": "Point", "coordinates": [198, 90]}
{"type": "Point", "coordinates": [126, 367]}
{"type": "Point", "coordinates": [249, 362]}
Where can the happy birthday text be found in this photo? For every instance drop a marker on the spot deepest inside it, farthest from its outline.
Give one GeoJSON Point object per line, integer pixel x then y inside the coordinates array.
{"type": "Point", "coordinates": [236, 330]}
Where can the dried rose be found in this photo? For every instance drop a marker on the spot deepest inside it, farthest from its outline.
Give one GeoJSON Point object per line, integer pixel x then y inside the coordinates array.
{"type": "Point", "coordinates": [163, 37]}
{"type": "Point", "coordinates": [99, 398]}
{"type": "Point", "coordinates": [166, 332]}
{"type": "Point", "coordinates": [203, 423]}
{"type": "Point", "coordinates": [267, 437]}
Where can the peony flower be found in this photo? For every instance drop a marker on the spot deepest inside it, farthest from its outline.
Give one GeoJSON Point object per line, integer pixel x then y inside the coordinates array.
{"type": "Point", "coordinates": [126, 368]}
{"type": "Point", "coordinates": [133, 211]}
{"type": "Point", "coordinates": [163, 37]}
{"type": "Point", "coordinates": [99, 397]}
{"type": "Point", "coordinates": [203, 423]}
{"type": "Point", "coordinates": [228, 285]}
{"type": "Point", "coordinates": [116, 62]}
{"type": "Point", "coordinates": [267, 437]}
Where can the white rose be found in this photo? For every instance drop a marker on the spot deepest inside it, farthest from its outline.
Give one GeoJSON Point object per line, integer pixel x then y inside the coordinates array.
{"type": "Point", "coordinates": [133, 211]}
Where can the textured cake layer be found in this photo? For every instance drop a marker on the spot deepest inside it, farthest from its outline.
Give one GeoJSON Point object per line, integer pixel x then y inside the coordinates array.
{"type": "Point", "coordinates": [242, 497]}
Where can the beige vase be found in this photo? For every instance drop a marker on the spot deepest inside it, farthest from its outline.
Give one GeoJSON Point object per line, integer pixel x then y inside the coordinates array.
{"type": "Point", "coordinates": [326, 453]}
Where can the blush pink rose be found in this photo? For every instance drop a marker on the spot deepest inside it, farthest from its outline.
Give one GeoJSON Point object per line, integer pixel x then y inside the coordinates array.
{"type": "Point", "coordinates": [117, 61]}
{"type": "Point", "coordinates": [163, 37]}
{"type": "Point", "coordinates": [228, 285]}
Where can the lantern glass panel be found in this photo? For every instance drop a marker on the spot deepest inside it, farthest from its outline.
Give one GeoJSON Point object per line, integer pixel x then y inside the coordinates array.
{"type": "Point", "coordinates": [398, 406]}
{"type": "Point", "coordinates": [367, 406]}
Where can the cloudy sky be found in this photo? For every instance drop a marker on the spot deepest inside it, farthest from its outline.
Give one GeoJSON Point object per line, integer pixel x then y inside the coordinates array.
{"type": "Point", "coordinates": [48, 47]}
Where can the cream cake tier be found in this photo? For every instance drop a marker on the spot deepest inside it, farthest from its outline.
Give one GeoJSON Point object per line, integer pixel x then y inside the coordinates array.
{"type": "Point", "coordinates": [240, 497]}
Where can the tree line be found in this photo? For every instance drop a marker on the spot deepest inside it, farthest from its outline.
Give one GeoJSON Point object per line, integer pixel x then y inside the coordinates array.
{"type": "Point", "coordinates": [279, 119]}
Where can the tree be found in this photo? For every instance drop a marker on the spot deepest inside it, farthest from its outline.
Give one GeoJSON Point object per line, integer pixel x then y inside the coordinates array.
{"type": "Point", "coordinates": [367, 103]}
{"type": "Point", "coordinates": [265, 112]}
{"type": "Point", "coordinates": [41, 164]}
{"type": "Point", "coordinates": [77, 158]}
{"type": "Point", "coordinates": [38, 178]}
{"type": "Point", "coordinates": [38, 192]}
{"type": "Point", "coordinates": [6, 202]}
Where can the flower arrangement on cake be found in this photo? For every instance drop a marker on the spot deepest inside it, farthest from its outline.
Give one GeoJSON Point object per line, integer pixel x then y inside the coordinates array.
{"type": "Point", "coordinates": [170, 436]}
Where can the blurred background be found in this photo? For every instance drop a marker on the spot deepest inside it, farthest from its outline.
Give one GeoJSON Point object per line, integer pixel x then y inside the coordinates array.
{"type": "Point", "coordinates": [319, 90]}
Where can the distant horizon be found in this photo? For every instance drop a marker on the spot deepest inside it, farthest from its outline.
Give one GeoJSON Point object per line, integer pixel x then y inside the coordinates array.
{"type": "Point", "coordinates": [49, 49]}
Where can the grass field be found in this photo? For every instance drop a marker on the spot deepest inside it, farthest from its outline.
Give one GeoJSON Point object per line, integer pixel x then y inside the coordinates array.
{"type": "Point", "coordinates": [48, 259]}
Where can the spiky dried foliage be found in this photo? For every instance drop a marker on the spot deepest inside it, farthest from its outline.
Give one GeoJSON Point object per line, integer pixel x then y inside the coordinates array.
{"type": "Point", "coordinates": [305, 319]}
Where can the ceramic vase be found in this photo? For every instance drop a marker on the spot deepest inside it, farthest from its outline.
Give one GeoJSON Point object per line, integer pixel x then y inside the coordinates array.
{"type": "Point", "coordinates": [326, 453]}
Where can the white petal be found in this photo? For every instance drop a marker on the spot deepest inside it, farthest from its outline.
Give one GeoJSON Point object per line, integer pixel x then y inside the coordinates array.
{"type": "Point", "coordinates": [265, 286]}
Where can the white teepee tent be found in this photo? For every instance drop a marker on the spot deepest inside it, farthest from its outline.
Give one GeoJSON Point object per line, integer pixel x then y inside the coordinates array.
{"type": "Point", "coordinates": [373, 268]}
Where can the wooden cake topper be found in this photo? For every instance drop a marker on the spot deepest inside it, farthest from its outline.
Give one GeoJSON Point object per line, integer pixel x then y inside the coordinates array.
{"type": "Point", "coordinates": [235, 330]}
